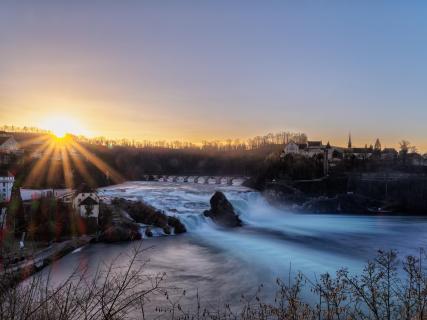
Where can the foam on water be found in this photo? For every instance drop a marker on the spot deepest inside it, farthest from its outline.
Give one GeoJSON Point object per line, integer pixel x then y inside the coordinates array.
{"type": "Point", "coordinates": [312, 242]}
{"type": "Point", "coordinates": [187, 201]}
{"type": "Point", "coordinates": [219, 263]}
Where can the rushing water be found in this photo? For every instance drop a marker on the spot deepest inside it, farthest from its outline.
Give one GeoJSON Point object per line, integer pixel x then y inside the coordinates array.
{"type": "Point", "coordinates": [224, 263]}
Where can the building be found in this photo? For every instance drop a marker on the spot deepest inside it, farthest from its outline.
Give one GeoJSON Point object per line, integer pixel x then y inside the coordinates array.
{"type": "Point", "coordinates": [416, 159]}
{"type": "Point", "coordinates": [87, 204]}
{"type": "Point", "coordinates": [349, 144]}
{"type": "Point", "coordinates": [358, 153]}
{"type": "Point", "coordinates": [315, 148]}
{"type": "Point", "coordinates": [8, 144]}
{"type": "Point", "coordinates": [6, 185]}
{"type": "Point", "coordinates": [336, 154]}
{"type": "Point", "coordinates": [389, 154]}
{"type": "Point", "coordinates": [312, 149]}
{"type": "Point", "coordinates": [295, 149]}
{"type": "Point", "coordinates": [65, 195]}
{"type": "Point", "coordinates": [291, 148]}
{"type": "Point", "coordinates": [377, 146]}
{"type": "Point", "coordinates": [309, 149]}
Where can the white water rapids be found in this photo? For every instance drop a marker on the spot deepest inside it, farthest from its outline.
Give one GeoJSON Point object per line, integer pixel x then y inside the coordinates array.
{"type": "Point", "coordinates": [224, 263]}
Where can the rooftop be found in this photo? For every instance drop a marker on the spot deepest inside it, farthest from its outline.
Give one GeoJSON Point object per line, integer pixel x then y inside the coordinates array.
{"type": "Point", "coordinates": [89, 201]}
{"type": "Point", "coordinates": [3, 139]}
{"type": "Point", "coordinates": [314, 143]}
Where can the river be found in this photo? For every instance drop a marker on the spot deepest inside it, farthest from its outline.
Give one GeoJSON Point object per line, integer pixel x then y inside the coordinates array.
{"type": "Point", "coordinates": [221, 264]}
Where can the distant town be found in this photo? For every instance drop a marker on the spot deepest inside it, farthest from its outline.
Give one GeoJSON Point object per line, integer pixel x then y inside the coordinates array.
{"type": "Point", "coordinates": [337, 153]}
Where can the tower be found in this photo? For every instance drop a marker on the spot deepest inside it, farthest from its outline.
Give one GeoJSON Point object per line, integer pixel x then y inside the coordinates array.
{"type": "Point", "coordinates": [349, 141]}
{"type": "Point", "coordinates": [326, 159]}
{"type": "Point", "coordinates": [377, 145]}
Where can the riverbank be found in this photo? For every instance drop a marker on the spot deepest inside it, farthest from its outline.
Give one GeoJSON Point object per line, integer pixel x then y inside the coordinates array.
{"type": "Point", "coordinates": [17, 272]}
{"type": "Point", "coordinates": [350, 194]}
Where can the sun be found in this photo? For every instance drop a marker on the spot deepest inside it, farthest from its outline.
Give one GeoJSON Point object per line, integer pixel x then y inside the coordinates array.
{"type": "Point", "coordinates": [60, 126]}
{"type": "Point", "coordinates": [59, 132]}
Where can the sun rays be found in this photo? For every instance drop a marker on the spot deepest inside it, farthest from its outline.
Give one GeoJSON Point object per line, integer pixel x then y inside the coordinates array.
{"type": "Point", "coordinates": [65, 156]}
{"type": "Point", "coordinates": [61, 125]}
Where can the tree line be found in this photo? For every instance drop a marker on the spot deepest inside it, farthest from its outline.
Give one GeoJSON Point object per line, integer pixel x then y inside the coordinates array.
{"type": "Point", "coordinates": [257, 142]}
{"type": "Point", "coordinates": [279, 138]}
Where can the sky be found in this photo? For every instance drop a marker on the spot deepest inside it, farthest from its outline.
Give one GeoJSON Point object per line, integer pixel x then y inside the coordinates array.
{"type": "Point", "coordinates": [195, 70]}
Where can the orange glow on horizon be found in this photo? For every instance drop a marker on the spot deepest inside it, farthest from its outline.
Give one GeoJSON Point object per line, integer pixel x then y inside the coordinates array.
{"type": "Point", "coordinates": [61, 125]}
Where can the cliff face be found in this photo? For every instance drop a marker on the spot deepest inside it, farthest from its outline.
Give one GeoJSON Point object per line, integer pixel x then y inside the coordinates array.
{"type": "Point", "coordinates": [404, 194]}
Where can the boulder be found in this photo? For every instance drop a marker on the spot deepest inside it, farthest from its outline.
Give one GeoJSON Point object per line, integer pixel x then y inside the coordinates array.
{"type": "Point", "coordinates": [222, 211]}
{"type": "Point", "coordinates": [118, 233]}
{"type": "Point", "coordinates": [177, 225]}
{"type": "Point", "coordinates": [148, 232]}
{"type": "Point", "coordinates": [167, 230]}
{"type": "Point", "coordinates": [143, 213]}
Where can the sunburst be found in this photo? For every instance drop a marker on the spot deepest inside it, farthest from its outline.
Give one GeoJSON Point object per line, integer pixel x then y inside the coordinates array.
{"type": "Point", "coordinates": [69, 153]}
{"type": "Point", "coordinates": [61, 125]}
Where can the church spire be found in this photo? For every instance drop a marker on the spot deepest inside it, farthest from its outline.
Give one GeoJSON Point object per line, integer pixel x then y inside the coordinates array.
{"type": "Point", "coordinates": [377, 145]}
{"type": "Point", "coordinates": [349, 141]}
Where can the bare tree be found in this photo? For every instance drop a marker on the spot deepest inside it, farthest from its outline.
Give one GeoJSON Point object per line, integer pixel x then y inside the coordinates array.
{"type": "Point", "coordinates": [112, 292]}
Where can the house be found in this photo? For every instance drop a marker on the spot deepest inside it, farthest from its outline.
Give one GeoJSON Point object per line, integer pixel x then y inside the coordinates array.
{"type": "Point", "coordinates": [291, 148]}
{"type": "Point", "coordinates": [6, 185]}
{"type": "Point", "coordinates": [67, 196]}
{"type": "Point", "coordinates": [294, 148]}
{"type": "Point", "coordinates": [335, 154]}
{"type": "Point", "coordinates": [416, 159]}
{"type": "Point", "coordinates": [8, 144]}
{"type": "Point", "coordinates": [315, 148]}
{"type": "Point", "coordinates": [33, 194]}
{"type": "Point", "coordinates": [359, 153]}
{"type": "Point", "coordinates": [309, 149]}
{"type": "Point", "coordinates": [389, 154]}
{"type": "Point", "coordinates": [87, 204]}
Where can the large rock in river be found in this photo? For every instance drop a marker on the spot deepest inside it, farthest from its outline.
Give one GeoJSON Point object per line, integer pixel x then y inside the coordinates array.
{"type": "Point", "coordinates": [121, 232]}
{"type": "Point", "coordinates": [222, 211]}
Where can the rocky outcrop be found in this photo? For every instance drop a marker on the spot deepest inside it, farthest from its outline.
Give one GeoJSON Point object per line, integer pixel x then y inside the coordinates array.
{"type": "Point", "coordinates": [342, 203]}
{"type": "Point", "coordinates": [143, 213]}
{"type": "Point", "coordinates": [324, 196]}
{"type": "Point", "coordinates": [117, 226]}
{"type": "Point", "coordinates": [121, 232]}
{"type": "Point", "coordinates": [177, 225]}
{"type": "Point", "coordinates": [283, 193]}
{"type": "Point", "coordinates": [222, 211]}
{"type": "Point", "coordinates": [148, 232]}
